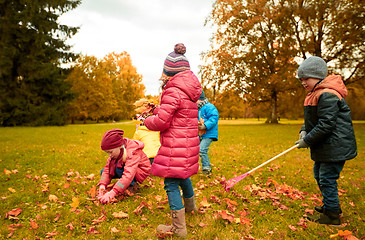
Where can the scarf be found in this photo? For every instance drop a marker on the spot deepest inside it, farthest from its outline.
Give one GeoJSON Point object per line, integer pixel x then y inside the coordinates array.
{"type": "Point", "coordinates": [202, 103]}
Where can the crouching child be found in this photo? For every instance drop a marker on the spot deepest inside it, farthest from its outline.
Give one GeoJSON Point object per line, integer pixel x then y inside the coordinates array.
{"type": "Point", "coordinates": [126, 161]}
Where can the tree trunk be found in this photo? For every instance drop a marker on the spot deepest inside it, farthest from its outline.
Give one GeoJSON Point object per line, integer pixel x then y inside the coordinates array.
{"type": "Point", "coordinates": [274, 100]}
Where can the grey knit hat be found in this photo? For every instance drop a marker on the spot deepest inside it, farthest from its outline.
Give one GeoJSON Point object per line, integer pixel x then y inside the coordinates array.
{"type": "Point", "coordinates": [313, 67]}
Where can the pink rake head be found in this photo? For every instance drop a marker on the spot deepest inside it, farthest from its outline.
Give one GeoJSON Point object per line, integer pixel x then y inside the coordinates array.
{"type": "Point", "coordinates": [231, 182]}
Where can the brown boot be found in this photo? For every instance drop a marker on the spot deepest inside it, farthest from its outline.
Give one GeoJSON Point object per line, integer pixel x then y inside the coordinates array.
{"type": "Point", "coordinates": [178, 226]}
{"type": "Point", "coordinates": [189, 204]}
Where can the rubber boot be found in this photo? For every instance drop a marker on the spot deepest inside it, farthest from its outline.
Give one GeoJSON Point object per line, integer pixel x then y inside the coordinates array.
{"type": "Point", "coordinates": [178, 226]}
{"type": "Point", "coordinates": [320, 209]}
{"type": "Point", "coordinates": [327, 217]}
{"type": "Point", "coordinates": [189, 204]}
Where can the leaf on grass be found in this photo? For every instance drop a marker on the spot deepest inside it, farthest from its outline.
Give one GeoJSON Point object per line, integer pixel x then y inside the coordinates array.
{"type": "Point", "coordinates": [51, 234]}
{"type": "Point", "coordinates": [120, 214]}
{"type": "Point", "coordinates": [292, 228]}
{"type": "Point", "coordinates": [75, 203]}
{"type": "Point", "coordinates": [204, 203]}
{"type": "Point", "coordinates": [244, 221]}
{"type": "Point", "coordinates": [138, 210]}
{"type": "Point", "coordinates": [129, 230]}
{"type": "Point", "coordinates": [12, 190]}
{"type": "Point", "coordinates": [33, 224]}
{"type": "Point", "coordinates": [310, 211]}
{"type": "Point", "coordinates": [58, 215]}
{"type": "Point", "coordinates": [66, 185]}
{"type": "Point", "coordinates": [45, 188]}
{"type": "Point", "coordinates": [158, 198]}
{"type": "Point", "coordinates": [92, 230]}
{"type": "Point", "coordinates": [114, 230]}
{"type": "Point", "coordinates": [227, 216]}
{"type": "Point", "coordinates": [202, 225]}
{"type": "Point", "coordinates": [345, 234]}
{"type": "Point", "coordinates": [91, 176]}
{"type": "Point", "coordinates": [163, 235]}
{"type": "Point", "coordinates": [302, 222]}
{"type": "Point", "coordinates": [92, 192]}
{"type": "Point", "coordinates": [14, 212]}
{"type": "Point", "coordinates": [53, 198]}
{"type": "Point", "coordinates": [70, 226]}
{"type": "Point", "coordinates": [352, 204]}
{"type": "Point", "coordinates": [7, 172]}
{"type": "Point", "coordinates": [100, 219]}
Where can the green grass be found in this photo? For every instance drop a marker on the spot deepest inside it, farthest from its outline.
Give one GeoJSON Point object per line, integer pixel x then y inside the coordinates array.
{"type": "Point", "coordinates": [56, 161]}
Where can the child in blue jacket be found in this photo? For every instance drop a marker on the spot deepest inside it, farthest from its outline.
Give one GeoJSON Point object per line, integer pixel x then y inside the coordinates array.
{"type": "Point", "coordinates": [208, 130]}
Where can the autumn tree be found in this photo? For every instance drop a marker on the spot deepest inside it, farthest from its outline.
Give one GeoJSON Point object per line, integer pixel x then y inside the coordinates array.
{"type": "Point", "coordinates": [32, 48]}
{"type": "Point", "coordinates": [93, 88]}
{"type": "Point", "coordinates": [257, 44]}
{"type": "Point", "coordinates": [105, 88]}
{"type": "Point", "coordinates": [126, 83]}
{"type": "Point", "coordinates": [230, 104]}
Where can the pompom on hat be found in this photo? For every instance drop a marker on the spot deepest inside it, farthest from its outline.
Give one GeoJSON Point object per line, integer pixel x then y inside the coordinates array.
{"type": "Point", "coordinates": [175, 62]}
{"type": "Point", "coordinates": [112, 139]}
{"type": "Point", "coordinates": [313, 67]}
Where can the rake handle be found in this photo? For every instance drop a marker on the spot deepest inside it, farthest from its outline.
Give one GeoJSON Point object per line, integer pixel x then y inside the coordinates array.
{"type": "Point", "coordinates": [272, 159]}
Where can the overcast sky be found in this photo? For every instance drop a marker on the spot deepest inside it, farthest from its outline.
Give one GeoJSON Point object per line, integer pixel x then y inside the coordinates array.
{"type": "Point", "coordinates": [146, 29]}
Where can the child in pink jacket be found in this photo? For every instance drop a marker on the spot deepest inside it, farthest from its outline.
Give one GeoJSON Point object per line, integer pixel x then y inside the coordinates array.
{"type": "Point", "coordinates": [126, 161]}
{"type": "Point", "coordinates": [176, 119]}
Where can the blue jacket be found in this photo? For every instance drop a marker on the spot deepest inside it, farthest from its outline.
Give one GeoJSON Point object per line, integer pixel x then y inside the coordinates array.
{"type": "Point", "coordinates": [211, 116]}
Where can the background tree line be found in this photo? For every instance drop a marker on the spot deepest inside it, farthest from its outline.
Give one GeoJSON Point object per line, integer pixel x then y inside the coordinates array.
{"type": "Point", "coordinates": [258, 44]}
{"type": "Point", "coordinates": [250, 70]}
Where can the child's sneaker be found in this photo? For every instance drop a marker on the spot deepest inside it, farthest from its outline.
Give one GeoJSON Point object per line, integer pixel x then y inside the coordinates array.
{"type": "Point", "coordinates": [327, 217]}
{"type": "Point", "coordinates": [207, 172]}
{"type": "Point", "coordinates": [320, 209]}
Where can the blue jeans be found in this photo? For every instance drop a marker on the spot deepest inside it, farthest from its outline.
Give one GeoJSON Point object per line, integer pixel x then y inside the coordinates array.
{"type": "Point", "coordinates": [173, 191]}
{"type": "Point", "coordinates": [203, 153]}
{"type": "Point", "coordinates": [326, 175]}
{"type": "Point", "coordinates": [118, 174]}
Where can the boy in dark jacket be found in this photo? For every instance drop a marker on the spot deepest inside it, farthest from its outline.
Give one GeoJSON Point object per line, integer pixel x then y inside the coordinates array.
{"type": "Point", "coordinates": [327, 131]}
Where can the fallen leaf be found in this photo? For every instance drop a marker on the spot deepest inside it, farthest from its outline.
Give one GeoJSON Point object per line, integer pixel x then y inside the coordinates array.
{"type": "Point", "coordinates": [92, 192]}
{"type": "Point", "coordinates": [7, 172]}
{"type": "Point", "coordinates": [52, 234]}
{"type": "Point", "coordinates": [204, 203]}
{"type": "Point", "coordinates": [14, 212]}
{"type": "Point", "coordinates": [75, 202]}
{"type": "Point", "coordinates": [12, 190]}
{"type": "Point", "coordinates": [202, 225]}
{"type": "Point", "coordinates": [114, 230]}
{"type": "Point", "coordinates": [70, 226]}
{"type": "Point", "coordinates": [91, 176]}
{"type": "Point", "coordinates": [227, 216]}
{"type": "Point", "coordinates": [129, 230]}
{"type": "Point", "coordinates": [100, 219]}
{"type": "Point", "coordinates": [58, 215]}
{"type": "Point", "coordinates": [292, 228]}
{"type": "Point", "coordinates": [92, 230]}
{"type": "Point", "coordinates": [120, 214]}
{"type": "Point", "coordinates": [53, 198]}
{"type": "Point", "coordinates": [33, 224]}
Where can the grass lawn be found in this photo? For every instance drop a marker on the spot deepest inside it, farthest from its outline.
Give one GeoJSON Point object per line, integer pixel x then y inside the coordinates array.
{"type": "Point", "coordinates": [48, 178]}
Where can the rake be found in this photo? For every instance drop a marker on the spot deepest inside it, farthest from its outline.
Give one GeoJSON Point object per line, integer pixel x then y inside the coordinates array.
{"type": "Point", "coordinates": [231, 182]}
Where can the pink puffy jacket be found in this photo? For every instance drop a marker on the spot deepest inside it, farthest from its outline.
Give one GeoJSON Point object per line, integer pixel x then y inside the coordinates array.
{"type": "Point", "coordinates": [177, 121]}
{"type": "Point", "coordinates": [137, 165]}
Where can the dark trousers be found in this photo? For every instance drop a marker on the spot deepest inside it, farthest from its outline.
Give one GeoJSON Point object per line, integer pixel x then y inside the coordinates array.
{"type": "Point", "coordinates": [326, 175]}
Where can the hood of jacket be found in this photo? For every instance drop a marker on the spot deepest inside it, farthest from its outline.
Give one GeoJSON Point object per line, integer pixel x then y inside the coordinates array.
{"type": "Point", "coordinates": [333, 82]}
{"type": "Point", "coordinates": [183, 81]}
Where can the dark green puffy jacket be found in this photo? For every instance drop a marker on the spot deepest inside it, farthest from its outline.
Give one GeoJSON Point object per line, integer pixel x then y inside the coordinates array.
{"type": "Point", "coordinates": [328, 122]}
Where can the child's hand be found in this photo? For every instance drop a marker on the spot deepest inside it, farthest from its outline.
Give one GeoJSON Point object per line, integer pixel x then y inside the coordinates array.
{"type": "Point", "coordinates": [108, 197]}
{"type": "Point", "coordinates": [101, 191]}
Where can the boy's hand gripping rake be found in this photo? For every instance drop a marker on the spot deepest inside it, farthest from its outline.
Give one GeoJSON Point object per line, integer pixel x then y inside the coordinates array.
{"type": "Point", "coordinates": [231, 182]}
